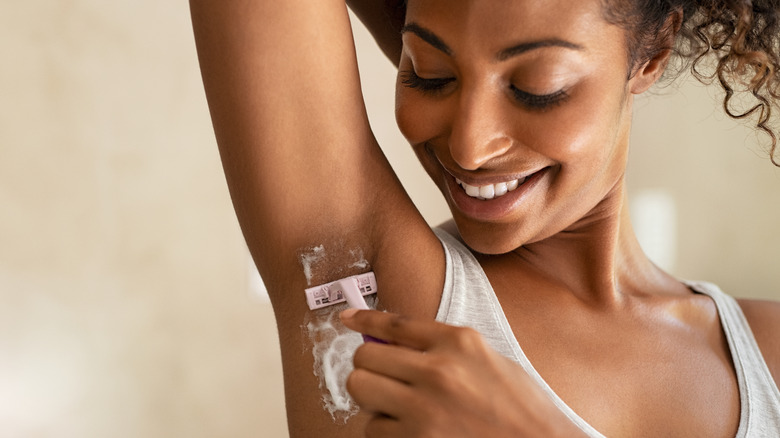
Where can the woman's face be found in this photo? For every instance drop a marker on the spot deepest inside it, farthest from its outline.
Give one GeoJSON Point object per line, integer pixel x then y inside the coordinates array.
{"type": "Point", "coordinates": [519, 110]}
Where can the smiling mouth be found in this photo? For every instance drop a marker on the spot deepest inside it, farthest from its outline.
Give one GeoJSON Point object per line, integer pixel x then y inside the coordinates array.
{"type": "Point", "coordinates": [491, 191]}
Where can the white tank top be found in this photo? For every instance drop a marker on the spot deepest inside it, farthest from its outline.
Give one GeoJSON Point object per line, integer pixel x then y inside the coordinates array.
{"type": "Point", "coordinates": [468, 299]}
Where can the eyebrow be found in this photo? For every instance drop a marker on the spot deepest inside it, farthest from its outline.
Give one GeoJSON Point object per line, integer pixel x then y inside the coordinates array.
{"type": "Point", "coordinates": [526, 47]}
{"type": "Point", "coordinates": [518, 49]}
{"type": "Point", "coordinates": [427, 36]}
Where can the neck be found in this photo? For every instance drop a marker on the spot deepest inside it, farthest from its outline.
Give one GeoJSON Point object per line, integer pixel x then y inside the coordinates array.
{"type": "Point", "coordinates": [598, 259]}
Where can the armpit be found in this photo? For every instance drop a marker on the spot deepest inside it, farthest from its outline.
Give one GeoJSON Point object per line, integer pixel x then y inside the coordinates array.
{"type": "Point", "coordinates": [323, 263]}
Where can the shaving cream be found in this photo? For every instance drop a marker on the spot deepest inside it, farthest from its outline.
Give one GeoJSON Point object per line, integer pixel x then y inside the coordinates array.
{"type": "Point", "coordinates": [333, 347]}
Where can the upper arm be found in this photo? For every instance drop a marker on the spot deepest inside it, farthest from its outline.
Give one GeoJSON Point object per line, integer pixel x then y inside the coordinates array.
{"type": "Point", "coordinates": [304, 171]}
{"type": "Point", "coordinates": [301, 162]}
{"type": "Point", "coordinates": [764, 319]}
{"type": "Point", "coordinates": [282, 86]}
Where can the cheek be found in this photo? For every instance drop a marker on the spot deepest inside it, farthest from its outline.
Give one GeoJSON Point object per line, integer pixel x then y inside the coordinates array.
{"type": "Point", "coordinates": [419, 119]}
{"type": "Point", "coordinates": [417, 126]}
{"type": "Point", "coordinates": [583, 130]}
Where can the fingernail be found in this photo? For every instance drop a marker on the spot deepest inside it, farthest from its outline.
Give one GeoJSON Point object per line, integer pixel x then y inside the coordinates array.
{"type": "Point", "coordinates": [349, 313]}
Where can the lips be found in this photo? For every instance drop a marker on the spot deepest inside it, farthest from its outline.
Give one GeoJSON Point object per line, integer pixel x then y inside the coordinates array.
{"type": "Point", "coordinates": [493, 201]}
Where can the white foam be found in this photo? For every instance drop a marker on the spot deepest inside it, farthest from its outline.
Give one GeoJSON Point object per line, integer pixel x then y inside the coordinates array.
{"type": "Point", "coordinates": [333, 347]}
{"type": "Point", "coordinates": [360, 260]}
{"type": "Point", "coordinates": [308, 259]}
{"type": "Point", "coordinates": [332, 344]}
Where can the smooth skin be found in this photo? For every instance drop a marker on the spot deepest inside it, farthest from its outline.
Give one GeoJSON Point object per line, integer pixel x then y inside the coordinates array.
{"type": "Point", "coordinates": [592, 313]}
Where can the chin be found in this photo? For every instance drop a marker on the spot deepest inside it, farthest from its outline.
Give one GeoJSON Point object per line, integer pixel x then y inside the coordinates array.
{"type": "Point", "coordinates": [490, 239]}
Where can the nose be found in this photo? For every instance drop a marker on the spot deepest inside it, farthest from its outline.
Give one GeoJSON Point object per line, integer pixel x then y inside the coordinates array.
{"type": "Point", "coordinates": [480, 129]}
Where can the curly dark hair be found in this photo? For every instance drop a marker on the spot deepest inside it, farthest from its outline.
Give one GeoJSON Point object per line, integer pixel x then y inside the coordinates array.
{"type": "Point", "coordinates": [736, 42]}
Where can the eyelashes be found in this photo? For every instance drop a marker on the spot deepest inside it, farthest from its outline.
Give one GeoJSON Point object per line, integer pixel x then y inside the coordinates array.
{"type": "Point", "coordinates": [429, 86]}
{"type": "Point", "coordinates": [436, 86]}
{"type": "Point", "coordinates": [540, 101]}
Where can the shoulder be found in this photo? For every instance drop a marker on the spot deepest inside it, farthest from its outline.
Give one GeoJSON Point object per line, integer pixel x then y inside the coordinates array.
{"type": "Point", "coordinates": [764, 319]}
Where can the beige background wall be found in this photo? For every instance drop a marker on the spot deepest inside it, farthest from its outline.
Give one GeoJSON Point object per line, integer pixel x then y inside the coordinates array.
{"type": "Point", "coordinates": [126, 304]}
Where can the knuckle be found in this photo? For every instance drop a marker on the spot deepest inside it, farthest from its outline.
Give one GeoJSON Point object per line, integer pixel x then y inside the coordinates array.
{"type": "Point", "coordinates": [397, 322]}
{"type": "Point", "coordinates": [444, 373]}
{"type": "Point", "coordinates": [393, 327]}
{"type": "Point", "coordinates": [466, 339]}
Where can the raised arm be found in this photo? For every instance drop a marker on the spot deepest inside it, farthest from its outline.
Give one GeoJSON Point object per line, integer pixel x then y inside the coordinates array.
{"type": "Point", "coordinates": [282, 86]}
{"type": "Point", "coordinates": [305, 172]}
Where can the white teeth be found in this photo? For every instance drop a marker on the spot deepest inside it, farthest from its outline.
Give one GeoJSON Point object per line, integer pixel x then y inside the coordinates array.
{"type": "Point", "coordinates": [490, 191]}
{"type": "Point", "coordinates": [502, 188]}
{"type": "Point", "coordinates": [487, 192]}
{"type": "Point", "coordinates": [472, 191]}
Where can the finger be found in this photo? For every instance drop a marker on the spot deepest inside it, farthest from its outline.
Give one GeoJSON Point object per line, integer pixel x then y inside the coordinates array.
{"type": "Point", "coordinates": [381, 426]}
{"type": "Point", "coordinates": [394, 361]}
{"type": "Point", "coordinates": [419, 334]}
{"type": "Point", "coordinates": [378, 393]}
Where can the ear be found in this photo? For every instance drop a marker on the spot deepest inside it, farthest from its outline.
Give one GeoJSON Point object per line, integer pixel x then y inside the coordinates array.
{"type": "Point", "coordinates": [648, 73]}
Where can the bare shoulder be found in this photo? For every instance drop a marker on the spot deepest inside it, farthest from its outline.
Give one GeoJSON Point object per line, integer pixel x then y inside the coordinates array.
{"type": "Point", "coordinates": [764, 319]}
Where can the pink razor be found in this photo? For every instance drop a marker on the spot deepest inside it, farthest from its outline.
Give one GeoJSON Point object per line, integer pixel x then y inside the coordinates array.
{"type": "Point", "coordinates": [349, 288]}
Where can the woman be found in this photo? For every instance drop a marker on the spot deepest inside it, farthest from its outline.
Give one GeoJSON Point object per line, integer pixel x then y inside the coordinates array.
{"type": "Point", "coordinates": [520, 111]}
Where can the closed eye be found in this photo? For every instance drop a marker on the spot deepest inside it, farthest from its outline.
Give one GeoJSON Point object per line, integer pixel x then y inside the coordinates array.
{"type": "Point", "coordinates": [427, 85]}
{"type": "Point", "coordinates": [433, 86]}
{"type": "Point", "coordinates": [539, 101]}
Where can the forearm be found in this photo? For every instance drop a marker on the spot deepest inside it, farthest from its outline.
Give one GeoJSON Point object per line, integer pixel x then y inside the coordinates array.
{"type": "Point", "coordinates": [384, 19]}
